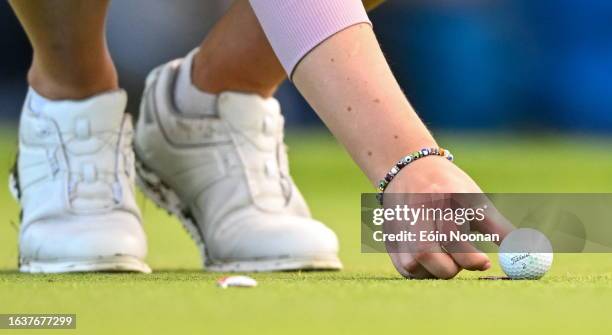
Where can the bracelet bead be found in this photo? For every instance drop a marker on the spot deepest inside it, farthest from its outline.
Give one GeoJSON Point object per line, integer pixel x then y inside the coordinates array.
{"type": "Point", "coordinates": [382, 185]}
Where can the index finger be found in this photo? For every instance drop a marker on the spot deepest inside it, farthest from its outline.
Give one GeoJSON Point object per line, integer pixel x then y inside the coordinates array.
{"type": "Point", "coordinates": [493, 221]}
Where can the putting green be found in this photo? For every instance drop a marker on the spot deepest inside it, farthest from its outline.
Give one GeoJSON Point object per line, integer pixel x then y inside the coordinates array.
{"type": "Point", "coordinates": [368, 296]}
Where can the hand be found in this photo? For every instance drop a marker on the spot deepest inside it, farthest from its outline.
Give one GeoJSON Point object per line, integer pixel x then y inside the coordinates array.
{"type": "Point", "coordinates": [431, 259]}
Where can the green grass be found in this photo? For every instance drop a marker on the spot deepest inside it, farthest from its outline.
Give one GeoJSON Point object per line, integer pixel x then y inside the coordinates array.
{"type": "Point", "coordinates": [368, 296]}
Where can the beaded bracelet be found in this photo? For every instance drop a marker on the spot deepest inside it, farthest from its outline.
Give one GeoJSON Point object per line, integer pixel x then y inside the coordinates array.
{"type": "Point", "coordinates": [382, 186]}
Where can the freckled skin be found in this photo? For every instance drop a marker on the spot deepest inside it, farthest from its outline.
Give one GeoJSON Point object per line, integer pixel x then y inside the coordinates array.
{"type": "Point", "coordinates": [330, 87]}
{"type": "Point", "coordinates": [347, 82]}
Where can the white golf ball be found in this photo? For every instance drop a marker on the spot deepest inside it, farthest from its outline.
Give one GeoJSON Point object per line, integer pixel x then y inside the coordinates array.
{"type": "Point", "coordinates": [525, 254]}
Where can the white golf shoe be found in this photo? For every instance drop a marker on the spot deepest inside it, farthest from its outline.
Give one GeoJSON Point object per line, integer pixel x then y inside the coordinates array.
{"type": "Point", "coordinates": [74, 179]}
{"type": "Point", "coordinates": [226, 178]}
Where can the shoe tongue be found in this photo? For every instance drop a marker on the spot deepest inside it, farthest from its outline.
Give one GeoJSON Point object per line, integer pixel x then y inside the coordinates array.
{"type": "Point", "coordinates": [250, 112]}
{"type": "Point", "coordinates": [103, 112]}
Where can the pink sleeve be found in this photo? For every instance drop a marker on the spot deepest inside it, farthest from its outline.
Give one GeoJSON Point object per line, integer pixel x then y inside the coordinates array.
{"type": "Point", "coordinates": [295, 27]}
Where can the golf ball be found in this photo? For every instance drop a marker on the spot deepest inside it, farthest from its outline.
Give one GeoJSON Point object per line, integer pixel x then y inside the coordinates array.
{"type": "Point", "coordinates": [525, 254]}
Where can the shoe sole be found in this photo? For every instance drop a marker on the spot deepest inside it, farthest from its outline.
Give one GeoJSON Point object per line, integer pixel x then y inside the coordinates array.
{"type": "Point", "coordinates": [108, 264]}
{"type": "Point", "coordinates": [165, 198]}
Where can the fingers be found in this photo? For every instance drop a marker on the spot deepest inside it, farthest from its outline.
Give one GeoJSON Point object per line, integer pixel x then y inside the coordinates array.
{"type": "Point", "coordinates": [494, 222]}
{"type": "Point", "coordinates": [464, 253]}
{"type": "Point", "coordinates": [425, 265]}
{"type": "Point", "coordinates": [408, 267]}
{"type": "Point", "coordinates": [467, 256]}
{"type": "Point", "coordinates": [430, 259]}
{"type": "Point", "coordinates": [421, 273]}
{"type": "Point", "coordinates": [438, 264]}
{"type": "Point", "coordinates": [473, 261]}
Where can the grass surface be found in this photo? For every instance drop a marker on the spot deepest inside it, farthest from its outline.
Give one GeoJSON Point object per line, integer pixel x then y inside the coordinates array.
{"type": "Point", "coordinates": [368, 296]}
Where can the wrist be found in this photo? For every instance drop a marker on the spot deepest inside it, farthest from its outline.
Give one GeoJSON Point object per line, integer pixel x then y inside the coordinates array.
{"type": "Point", "coordinates": [423, 176]}
{"type": "Point", "coordinates": [391, 153]}
{"type": "Point", "coordinates": [425, 153]}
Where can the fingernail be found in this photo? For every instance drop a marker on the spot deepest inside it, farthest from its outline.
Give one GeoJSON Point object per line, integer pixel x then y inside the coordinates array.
{"type": "Point", "coordinates": [486, 266]}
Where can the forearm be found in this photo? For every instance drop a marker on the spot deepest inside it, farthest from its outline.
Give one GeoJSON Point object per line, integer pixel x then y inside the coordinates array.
{"type": "Point", "coordinates": [347, 81]}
